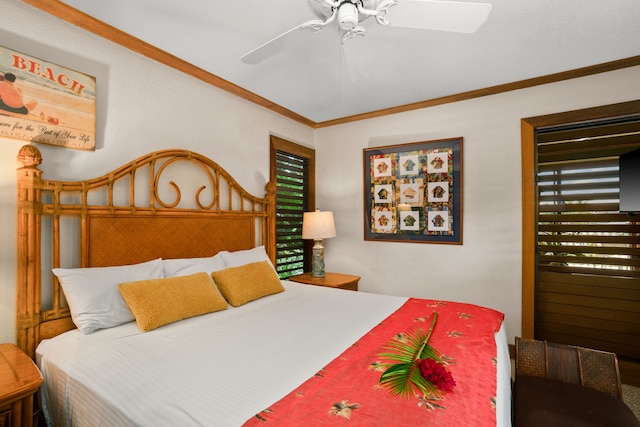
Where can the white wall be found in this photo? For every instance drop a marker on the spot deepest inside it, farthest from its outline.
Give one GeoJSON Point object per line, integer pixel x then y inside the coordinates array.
{"type": "Point", "coordinates": [486, 269]}
{"type": "Point", "coordinates": [142, 106]}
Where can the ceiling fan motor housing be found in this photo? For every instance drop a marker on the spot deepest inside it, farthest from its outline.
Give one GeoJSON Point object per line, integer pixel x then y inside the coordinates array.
{"type": "Point", "coordinates": [350, 15]}
{"type": "Point", "coordinates": [347, 16]}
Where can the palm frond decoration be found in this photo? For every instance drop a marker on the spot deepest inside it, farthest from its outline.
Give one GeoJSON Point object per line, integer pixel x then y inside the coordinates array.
{"type": "Point", "coordinates": [403, 358]}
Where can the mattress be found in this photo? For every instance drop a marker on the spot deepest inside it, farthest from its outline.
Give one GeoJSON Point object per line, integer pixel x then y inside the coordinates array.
{"type": "Point", "coordinates": [218, 369]}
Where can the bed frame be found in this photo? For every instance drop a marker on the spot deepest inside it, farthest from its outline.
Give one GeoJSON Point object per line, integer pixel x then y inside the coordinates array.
{"type": "Point", "coordinates": [123, 217]}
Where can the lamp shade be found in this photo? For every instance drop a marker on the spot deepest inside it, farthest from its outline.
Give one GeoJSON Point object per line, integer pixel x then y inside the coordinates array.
{"type": "Point", "coordinates": [318, 225]}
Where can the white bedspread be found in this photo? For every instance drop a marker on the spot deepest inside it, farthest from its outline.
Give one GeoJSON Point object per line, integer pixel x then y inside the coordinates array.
{"type": "Point", "coordinates": [213, 370]}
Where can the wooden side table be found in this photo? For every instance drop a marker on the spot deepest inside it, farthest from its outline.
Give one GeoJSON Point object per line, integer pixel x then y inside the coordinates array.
{"type": "Point", "coordinates": [19, 381]}
{"type": "Point", "coordinates": [331, 280]}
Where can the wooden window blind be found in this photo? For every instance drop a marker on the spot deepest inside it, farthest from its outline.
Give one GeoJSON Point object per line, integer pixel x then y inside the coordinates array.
{"type": "Point", "coordinates": [292, 189]}
{"type": "Point", "coordinates": [588, 253]}
{"type": "Point", "coordinates": [580, 229]}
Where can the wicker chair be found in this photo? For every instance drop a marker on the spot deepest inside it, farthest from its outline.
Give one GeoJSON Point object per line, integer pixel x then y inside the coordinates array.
{"type": "Point", "coordinates": [563, 385]}
{"type": "Point", "coordinates": [576, 365]}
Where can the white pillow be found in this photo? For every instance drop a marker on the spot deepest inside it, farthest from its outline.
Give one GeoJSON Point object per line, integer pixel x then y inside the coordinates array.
{"type": "Point", "coordinates": [248, 256]}
{"type": "Point", "coordinates": [93, 296]}
{"type": "Point", "coordinates": [188, 266]}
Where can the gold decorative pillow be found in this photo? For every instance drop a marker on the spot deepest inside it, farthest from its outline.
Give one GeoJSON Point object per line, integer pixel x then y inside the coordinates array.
{"type": "Point", "coordinates": [239, 285]}
{"type": "Point", "coordinates": [158, 302]}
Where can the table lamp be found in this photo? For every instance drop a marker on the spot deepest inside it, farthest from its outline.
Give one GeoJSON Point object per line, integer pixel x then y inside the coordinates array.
{"type": "Point", "coordinates": [317, 226]}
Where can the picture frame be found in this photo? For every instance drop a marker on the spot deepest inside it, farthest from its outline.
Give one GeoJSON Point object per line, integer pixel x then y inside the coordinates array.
{"type": "Point", "coordinates": [45, 102]}
{"type": "Point", "coordinates": [413, 192]}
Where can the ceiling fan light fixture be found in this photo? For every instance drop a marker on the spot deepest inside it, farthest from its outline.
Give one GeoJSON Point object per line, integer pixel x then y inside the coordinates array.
{"type": "Point", "coordinates": [440, 15]}
{"type": "Point", "coordinates": [347, 16]}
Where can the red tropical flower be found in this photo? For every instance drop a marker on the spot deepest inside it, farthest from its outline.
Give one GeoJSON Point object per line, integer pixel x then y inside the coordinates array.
{"type": "Point", "coordinates": [436, 374]}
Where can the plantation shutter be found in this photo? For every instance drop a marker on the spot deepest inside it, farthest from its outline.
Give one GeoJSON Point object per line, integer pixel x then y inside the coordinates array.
{"type": "Point", "coordinates": [292, 189]}
{"type": "Point", "coordinates": [588, 275]}
{"type": "Point", "coordinates": [580, 229]}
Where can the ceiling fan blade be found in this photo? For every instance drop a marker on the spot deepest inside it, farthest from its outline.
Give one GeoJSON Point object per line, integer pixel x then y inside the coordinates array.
{"type": "Point", "coordinates": [358, 57]}
{"type": "Point", "coordinates": [440, 15]}
{"type": "Point", "coordinates": [271, 47]}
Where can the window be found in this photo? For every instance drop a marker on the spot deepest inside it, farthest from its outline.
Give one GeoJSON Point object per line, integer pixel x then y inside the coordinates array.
{"type": "Point", "coordinates": [587, 278]}
{"type": "Point", "coordinates": [293, 171]}
{"type": "Point", "coordinates": [579, 227]}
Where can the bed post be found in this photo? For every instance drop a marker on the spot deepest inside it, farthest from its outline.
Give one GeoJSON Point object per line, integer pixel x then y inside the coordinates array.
{"type": "Point", "coordinates": [28, 288]}
{"type": "Point", "coordinates": [271, 220]}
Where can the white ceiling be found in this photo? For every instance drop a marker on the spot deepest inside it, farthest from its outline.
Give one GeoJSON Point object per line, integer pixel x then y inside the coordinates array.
{"type": "Point", "coordinates": [521, 39]}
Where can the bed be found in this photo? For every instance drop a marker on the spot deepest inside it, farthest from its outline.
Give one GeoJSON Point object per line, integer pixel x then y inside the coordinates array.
{"type": "Point", "coordinates": [148, 296]}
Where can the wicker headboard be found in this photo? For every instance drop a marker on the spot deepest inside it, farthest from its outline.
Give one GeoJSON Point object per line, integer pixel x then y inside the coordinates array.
{"type": "Point", "coordinates": [133, 214]}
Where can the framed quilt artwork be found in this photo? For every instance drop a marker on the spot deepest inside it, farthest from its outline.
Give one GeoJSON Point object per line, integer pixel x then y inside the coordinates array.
{"type": "Point", "coordinates": [413, 192]}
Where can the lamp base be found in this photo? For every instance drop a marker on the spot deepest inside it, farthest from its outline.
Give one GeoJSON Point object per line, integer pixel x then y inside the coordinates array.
{"type": "Point", "coordinates": [317, 259]}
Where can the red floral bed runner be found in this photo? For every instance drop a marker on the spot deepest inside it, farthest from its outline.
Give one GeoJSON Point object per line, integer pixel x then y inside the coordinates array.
{"type": "Point", "coordinates": [347, 391]}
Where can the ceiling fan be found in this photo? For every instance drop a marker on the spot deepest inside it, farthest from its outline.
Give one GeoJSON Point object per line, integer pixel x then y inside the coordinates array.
{"type": "Point", "coordinates": [441, 15]}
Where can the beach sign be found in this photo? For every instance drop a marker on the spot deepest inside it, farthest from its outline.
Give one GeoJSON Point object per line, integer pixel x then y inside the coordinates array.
{"type": "Point", "coordinates": [46, 103]}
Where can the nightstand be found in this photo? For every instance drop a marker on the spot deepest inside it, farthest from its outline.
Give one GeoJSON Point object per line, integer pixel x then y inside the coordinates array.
{"type": "Point", "coordinates": [330, 280]}
{"type": "Point", "coordinates": [19, 381]}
